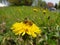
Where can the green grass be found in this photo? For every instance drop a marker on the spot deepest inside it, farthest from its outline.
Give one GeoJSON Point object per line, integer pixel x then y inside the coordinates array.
{"type": "Point", "coordinates": [10, 15]}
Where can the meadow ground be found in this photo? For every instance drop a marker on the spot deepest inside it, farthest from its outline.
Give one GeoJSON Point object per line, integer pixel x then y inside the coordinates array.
{"type": "Point", "coordinates": [48, 22]}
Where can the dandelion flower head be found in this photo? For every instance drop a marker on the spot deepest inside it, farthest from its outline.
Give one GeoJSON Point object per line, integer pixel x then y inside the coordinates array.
{"type": "Point", "coordinates": [26, 27]}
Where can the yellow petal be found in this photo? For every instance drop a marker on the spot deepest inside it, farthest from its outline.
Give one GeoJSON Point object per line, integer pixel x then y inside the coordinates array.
{"type": "Point", "coordinates": [23, 33]}
{"type": "Point", "coordinates": [34, 35]}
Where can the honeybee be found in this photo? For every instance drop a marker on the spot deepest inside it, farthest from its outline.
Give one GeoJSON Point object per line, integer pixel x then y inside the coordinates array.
{"type": "Point", "coordinates": [27, 21]}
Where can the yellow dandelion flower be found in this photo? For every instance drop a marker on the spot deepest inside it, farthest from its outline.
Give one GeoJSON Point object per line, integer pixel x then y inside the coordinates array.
{"type": "Point", "coordinates": [35, 10]}
{"type": "Point", "coordinates": [44, 11]}
{"type": "Point", "coordinates": [25, 28]}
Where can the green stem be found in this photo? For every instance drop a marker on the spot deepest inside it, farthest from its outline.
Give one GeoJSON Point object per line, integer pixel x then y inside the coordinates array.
{"type": "Point", "coordinates": [25, 42]}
